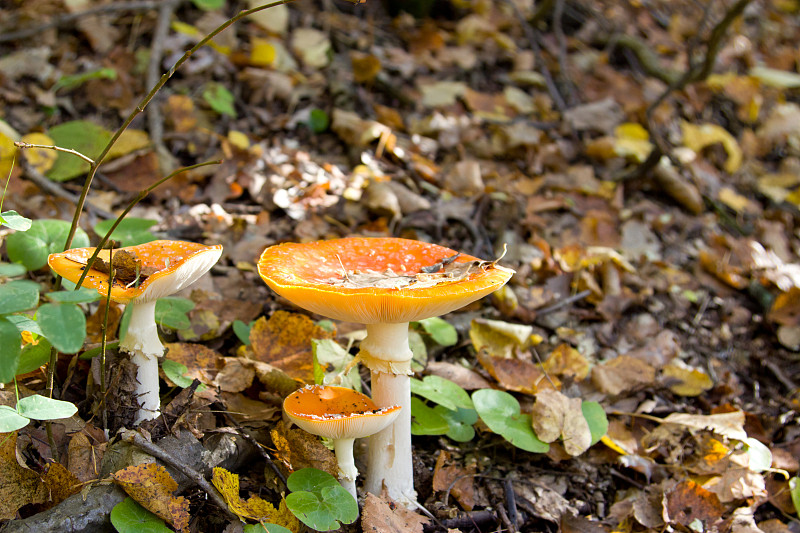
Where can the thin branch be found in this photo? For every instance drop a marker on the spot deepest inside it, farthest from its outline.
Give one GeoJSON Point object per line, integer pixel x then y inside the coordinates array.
{"type": "Point", "coordinates": [63, 20]}
{"type": "Point", "coordinates": [140, 107]}
{"type": "Point", "coordinates": [20, 144]}
{"type": "Point", "coordinates": [139, 441]}
{"type": "Point", "coordinates": [155, 123]}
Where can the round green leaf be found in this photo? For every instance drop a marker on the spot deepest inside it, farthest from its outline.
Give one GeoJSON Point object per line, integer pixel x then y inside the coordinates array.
{"type": "Point", "coordinates": [18, 295]}
{"type": "Point", "coordinates": [43, 408]}
{"type": "Point", "coordinates": [81, 135]}
{"type": "Point", "coordinates": [242, 331]}
{"type": "Point", "coordinates": [265, 528]}
{"type": "Point", "coordinates": [440, 330]}
{"type": "Point", "coordinates": [420, 352]}
{"type": "Point", "coordinates": [10, 420]}
{"type": "Point", "coordinates": [426, 421]}
{"type": "Point", "coordinates": [442, 391]}
{"type": "Point", "coordinates": [130, 517]}
{"type": "Point", "coordinates": [34, 356]}
{"type": "Point", "coordinates": [129, 232]}
{"type": "Point", "coordinates": [175, 372]}
{"type": "Point", "coordinates": [45, 237]}
{"type": "Point", "coordinates": [15, 221]}
{"type": "Point", "coordinates": [209, 5]}
{"type": "Point", "coordinates": [171, 312]}
{"type": "Point", "coordinates": [500, 411]}
{"type": "Point", "coordinates": [64, 325]}
{"type": "Point", "coordinates": [24, 323]}
{"type": "Point", "coordinates": [318, 120]}
{"type": "Point", "coordinates": [81, 296]}
{"type": "Point", "coordinates": [319, 501]}
{"type": "Point", "coordinates": [459, 422]}
{"type": "Point", "coordinates": [12, 270]}
{"type": "Point", "coordinates": [219, 98]}
{"type": "Point", "coordinates": [10, 348]}
{"type": "Point", "coordinates": [596, 417]}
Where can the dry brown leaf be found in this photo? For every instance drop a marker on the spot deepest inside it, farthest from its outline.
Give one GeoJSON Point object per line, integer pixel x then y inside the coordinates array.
{"type": "Point", "coordinates": [284, 341]}
{"type": "Point", "coordinates": [299, 449]}
{"type": "Point", "coordinates": [84, 458]}
{"type": "Point", "coordinates": [202, 363]}
{"type": "Point", "coordinates": [378, 516]}
{"type": "Point", "coordinates": [622, 374]}
{"type": "Point", "coordinates": [554, 416]}
{"type": "Point", "coordinates": [566, 361]}
{"type": "Point", "coordinates": [60, 482]}
{"type": "Point", "coordinates": [516, 374]}
{"type": "Point", "coordinates": [151, 486]}
{"type": "Point", "coordinates": [248, 411]}
{"type": "Point", "coordinates": [462, 376]}
{"type": "Point", "coordinates": [684, 380]}
{"type": "Point", "coordinates": [456, 480]}
{"type": "Point", "coordinates": [234, 376]}
{"type": "Point", "coordinates": [688, 502]}
{"type": "Point", "coordinates": [20, 486]}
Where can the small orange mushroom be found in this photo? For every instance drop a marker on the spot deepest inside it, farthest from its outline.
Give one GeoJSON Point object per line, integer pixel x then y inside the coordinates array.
{"type": "Point", "coordinates": [340, 414]}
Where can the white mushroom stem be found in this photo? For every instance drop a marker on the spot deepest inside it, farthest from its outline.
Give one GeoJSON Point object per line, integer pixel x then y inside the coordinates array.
{"type": "Point", "coordinates": [142, 343]}
{"type": "Point", "coordinates": [343, 448]}
{"type": "Point", "coordinates": [386, 352]}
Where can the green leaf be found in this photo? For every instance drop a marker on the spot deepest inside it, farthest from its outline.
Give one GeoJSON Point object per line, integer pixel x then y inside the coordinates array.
{"type": "Point", "coordinates": [10, 348]}
{"type": "Point", "coordinates": [64, 325]}
{"type": "Point", "coordinates": [25, 323]}
{"type": "Point", "coordinates": [175, 372]}
{"type": "Point", "coordinates": [459, 422]}
{"type": "Point", "coordinates": [794, 489]}
{"type": "Point", "coordinates": [39, 407]}
{"type": "Point", "coordinates": [420, 352]}
{"type": "Point", "coordinates": [441, 331]}
{"type": "Point", "coordinates": [209, 5]}
{"type": "Point", "coordinates": [319, 501]}
{"type": "Point", "coordinates": [426, 421]}
{"type": "Point", "coordinates": [318, 120]}
{"type": "Point", "coordinates": [76, 80]}
{"type": "Point", "coordinates": [34, 356]}
{"type": "Point", "coordinates": [219, 99]}
{"type": "Point", "coordinates": [242, 331]}
{"type": "Point", "coordinates": [759, 455]}
{"type": "Point", "coordinates": [45, 237]}
{"type": "Point", "coordinates": [81, 296]}
{"type": "Point", "coordinates": [83, 136]}
{"type": "Point", "coordinates": [171, 312]}
{"type": "Point", "coordinates": [442, 391]}
{"type": "Point", "coordinates": [595, 415]}
{"type": "Point", "coordinates": [130, 231]}
{"type": "Point", "coordinates": [500, 411]}
{"type": "Point", "coordinates": [265, 528]}
{"type": "Point", "coordinates": [15, 221]}
{"type": "Point", "coordinates": [130, 517]}
{"type": "Point", "coordinates": [12, 270]}
{"type": "Point", "coordinates": [10, 420]}
{"type": "Point", "coordinates": [18, 295]}
{"type": "Point", "coordinates": [329, 360]}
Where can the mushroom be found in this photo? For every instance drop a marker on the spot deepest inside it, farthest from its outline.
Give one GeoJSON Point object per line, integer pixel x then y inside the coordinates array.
{"type": "Point", "coordinates": [384, 283]}
{"type": "Point", "coordinates": [340, 414]}
{"type": "Point", "coordinates": [142, 275]}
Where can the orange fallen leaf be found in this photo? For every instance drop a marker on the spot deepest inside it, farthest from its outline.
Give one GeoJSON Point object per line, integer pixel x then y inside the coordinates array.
{"type": "Point", "coordinates": [152, 486]}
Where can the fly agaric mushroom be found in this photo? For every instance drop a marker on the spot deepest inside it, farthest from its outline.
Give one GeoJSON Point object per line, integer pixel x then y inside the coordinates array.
{"type": "Point", "coordinates": [384, 283]}
{"type": "Point", "coordinates": [141, 275]}
{"type": "Point", "coordinates": [340, 414]}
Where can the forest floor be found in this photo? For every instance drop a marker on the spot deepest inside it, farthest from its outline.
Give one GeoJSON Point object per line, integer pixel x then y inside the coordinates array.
{"type": "Point", "coordinates": [638, 161]}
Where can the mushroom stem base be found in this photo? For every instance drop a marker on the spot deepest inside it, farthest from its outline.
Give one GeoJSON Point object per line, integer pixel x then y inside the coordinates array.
{"type": "Point", "coordinates": [343, 448]}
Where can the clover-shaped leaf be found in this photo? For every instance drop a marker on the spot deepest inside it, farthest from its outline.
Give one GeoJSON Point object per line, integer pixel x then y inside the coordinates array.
{"type": "Point", "coordinates": [319, 501]}
{"type": "Point", "coordinates": [442, 391]}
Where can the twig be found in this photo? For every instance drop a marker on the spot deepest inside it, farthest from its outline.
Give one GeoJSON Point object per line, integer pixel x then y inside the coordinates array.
{"type": "Point", "coordinates": [785, 380]}
{"type": "Point", "coordinates": [531, 34]}
{"type": "Point", "coordinates": [63, 20]}
{"type": "Point", "coordinates": [139, 441]}
{"type": "Point", "coordinates": [155, 123]}
{"type": "Point", "coordinates": [558, 31]}
{"type": "Point", "coordinates": [51, 187]}
{"type": "Point", "coordinates": [563, 303]}
{"type": "Point", "coordinates": [511, 502]}
{"type": "Point", "coordinates": [20, 144]}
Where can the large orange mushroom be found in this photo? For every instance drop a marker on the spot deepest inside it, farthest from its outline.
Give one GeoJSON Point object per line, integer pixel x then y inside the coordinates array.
{"type": "Point", "coordinates": [384, 283]}
{"type": "Point", "coordinates": [142, 275]}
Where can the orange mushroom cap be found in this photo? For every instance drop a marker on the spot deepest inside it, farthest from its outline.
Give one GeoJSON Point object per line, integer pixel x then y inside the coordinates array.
{"type": "Point", "coordinates": [311, 275]}
{"type": "Point", "coordinates": [337, 412]}
{"type": "Point", "coordinates": [177, 264]}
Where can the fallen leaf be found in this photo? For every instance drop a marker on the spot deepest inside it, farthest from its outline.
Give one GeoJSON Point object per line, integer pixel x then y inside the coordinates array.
{"type": "Point", "coordinates": [379, 516]}
{"type": "Point", "coordinates": [311, 46]}
{"type": "Point", "coordinates": [684, 380]}
{"type": "Point", "coordinates": [729, 425]}
{"type": "Point", "coordinates": [554, 416]}
{"type": "Point", "coordinates": [42, 159]}
{"type": "Point", "coordinates": [499, 339]}
{"type": "Point", "coordinates": [60, 483]}
{"type": "Point", "coordinates": [20, 486]}
{"type": "Point", "coordinates": [299, 449]}
{"type": "Point", "coordinates": [202, 363]}
{"type": "Point", "coordinates": [254, 508]}
{"type": "Point", "coordinates": [84, 458]}
{"type": "Point", "coordinates": [698, 137]}
{"type": "Point", "coordinates": [622, 374]}
{"type": "Point", "coordinates": [566, 361]}
{"type": "Point", "coordinates": [689, 502]}
{"type": "Point", "coordinates": [151, 486]}
{"type": "Point", "coordinates": [516, 374]}
{"type": "Point", "coordinates": [455, 480]}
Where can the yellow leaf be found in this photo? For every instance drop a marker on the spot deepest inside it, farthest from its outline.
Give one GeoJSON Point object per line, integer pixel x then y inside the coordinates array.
{"type": "Point", "coordinates": [365, 66]}
{"type": "Point", "coordinates": [262, 53]}
{"type": "Point", "coordinates": [686, 381]}
{"type": "Point", "coordinates": [632, 141]}
{"type": "Point", "coordinates": [151, 485]}
{"type": "Point", "coordinates": [7, 151]}
{"type": "Point", "coordinates": [254, 508]}
{"type": "Point", "coordinates": [699, 137]}
{"type": "Point", "coordinates": [239, 139]}
{"type": "Point", "coordinates": [41, 159]}
{"type": "Point", "coordinates": [129, 141]}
